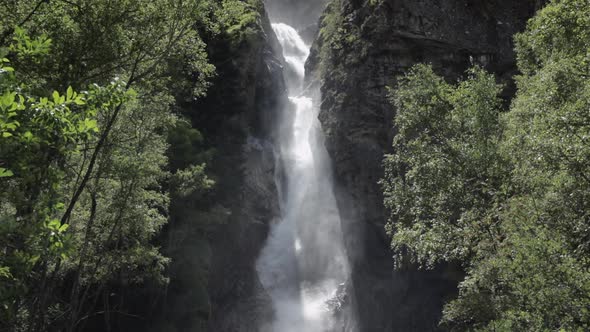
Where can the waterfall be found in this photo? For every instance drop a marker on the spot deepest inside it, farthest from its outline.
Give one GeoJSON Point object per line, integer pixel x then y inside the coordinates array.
{"type": "Point", "coordinates": [302, 265]}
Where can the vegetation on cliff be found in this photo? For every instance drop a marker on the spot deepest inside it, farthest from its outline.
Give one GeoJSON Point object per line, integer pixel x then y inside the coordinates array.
{"type": "Point", "coordinates": [502, 190]}
{"type": "Point", "coordinates": [94, 149]}
{"type": "Point", "coordinates": [106, 201]}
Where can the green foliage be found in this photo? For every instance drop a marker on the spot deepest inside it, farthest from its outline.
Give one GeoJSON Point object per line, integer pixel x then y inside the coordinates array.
{"type": "Point", "coordinates": [120, 211]}
{"type": "Point", "coordinates": [187, 146]}
{"type": "Point", "coordinates": [190, 181]}
{"type": "Point", "coordinates": [340, 39]}
{"type": "Point", "coordinates": [560, 30]}
{"type": "Point", "coordinates": [94, 159]}
{"type": "Point", "coordinates": [441, 180]}
{"type": "Point", "coordinates": [239, 18]}
{"type": "Point", "coordinates": [506, 194]}
{"type": "Point", "coordinates": [532, 281]}
{"type": "Point", "coordinates": [88, 95]}
{"type": "Point", "coordinates": [95, 41]}
{"type": "Point", "coordinates": [37, 133]}
{"type": "Point", "coordinates": [24, 46]}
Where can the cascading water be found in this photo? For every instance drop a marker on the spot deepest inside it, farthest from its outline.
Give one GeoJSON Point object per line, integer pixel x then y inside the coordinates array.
{"type": "Point", "coordinates": [303, 265]}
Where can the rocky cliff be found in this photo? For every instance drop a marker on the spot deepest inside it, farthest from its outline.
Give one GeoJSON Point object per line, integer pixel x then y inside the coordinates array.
{"type": "Point", "coordinates": [214, 285]}
{"type": "Point", "coordinates": [250, 89]}
{"type": "Point", "coordinates": [363, 46]}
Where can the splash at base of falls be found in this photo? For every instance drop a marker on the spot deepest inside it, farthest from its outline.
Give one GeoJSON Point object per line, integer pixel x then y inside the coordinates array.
{"type": "Point", "coordinates": [307, 310]}
{"type": "Point", "coordinates": [302, 265]}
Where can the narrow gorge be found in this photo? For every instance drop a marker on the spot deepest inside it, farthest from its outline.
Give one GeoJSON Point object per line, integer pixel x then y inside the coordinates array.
{"type": "Point", "coordinates": [305, 248]}
{"type": "Point", "coordinates": [302, 266]}
{"type": "Point", "coordinates": [294, 165]}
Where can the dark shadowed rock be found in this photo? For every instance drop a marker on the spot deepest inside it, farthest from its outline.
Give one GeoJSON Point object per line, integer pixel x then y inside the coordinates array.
{"type": "Point", "coordinates": [237, 118]}
{"type": "Point", "coordinates": [254, 91]}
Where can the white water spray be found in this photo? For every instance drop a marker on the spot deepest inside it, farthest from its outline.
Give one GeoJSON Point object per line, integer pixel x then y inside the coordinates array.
{"type": "Point", "coordinates": [302, 265]}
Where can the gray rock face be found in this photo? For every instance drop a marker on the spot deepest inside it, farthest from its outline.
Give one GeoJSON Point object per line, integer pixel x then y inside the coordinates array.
{"type": "Point", "coordinates": [388, 37]}
{"type": "Point", "coordinates": [249, 91]}
{"type": "Point", "coordinates": [239, 303]}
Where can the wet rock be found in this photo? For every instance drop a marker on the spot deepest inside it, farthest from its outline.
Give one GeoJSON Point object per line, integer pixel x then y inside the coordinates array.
{"type": "Point", "coordinates": [237, 118]}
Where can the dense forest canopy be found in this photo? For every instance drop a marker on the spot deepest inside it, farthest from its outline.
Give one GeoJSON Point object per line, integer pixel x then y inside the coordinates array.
{"type": "Point", "coordinates": [501, 190]}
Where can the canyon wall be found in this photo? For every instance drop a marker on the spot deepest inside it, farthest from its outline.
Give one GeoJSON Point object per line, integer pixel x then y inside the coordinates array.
{"type": "Point", "coordinates": [250, 90]}
{"type": "Point", "coordinates": [214, 285]}
{"type": "Point", "coordinates": [362, 48]}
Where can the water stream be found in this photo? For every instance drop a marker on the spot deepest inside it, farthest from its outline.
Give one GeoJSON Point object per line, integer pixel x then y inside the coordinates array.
{"type": "Point", "coordinates": [302, 266]}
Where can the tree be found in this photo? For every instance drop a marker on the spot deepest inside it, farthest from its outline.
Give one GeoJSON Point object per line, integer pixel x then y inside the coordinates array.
{"type": "Point", "coordinates": [521, 229]}
{"type": "Point", "coordinates": [79, 188]}
{"type": "Point", "coordinates": [93, 178]}
{"type": "Point", "coordinates": [37, 134]}
{"type": "Point", "coordinates": [445, 171]}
